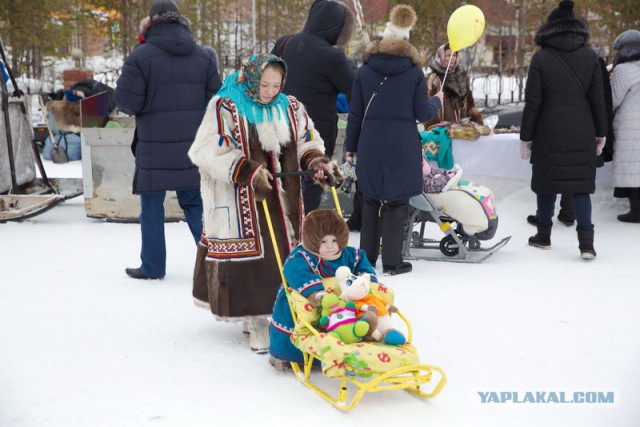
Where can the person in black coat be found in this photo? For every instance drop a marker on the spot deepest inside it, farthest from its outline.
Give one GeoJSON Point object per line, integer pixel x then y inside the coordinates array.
{"type": "Point", "coordinates": [317, 72]}
{"type": "Point", "coordinates": [166, 82]}
{"type": "Point", "coordinates": [564, 123]}
{"type": "Point", "coordinates": [389, 95]}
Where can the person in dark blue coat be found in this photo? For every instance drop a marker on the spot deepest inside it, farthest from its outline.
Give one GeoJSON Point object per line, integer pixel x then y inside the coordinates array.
{"type": "Point", "coordinates": [389, 96]}
{"type": "Point", "coordinates": [318, 70]}
{"type": "Point", "coordinates": [166, 82]}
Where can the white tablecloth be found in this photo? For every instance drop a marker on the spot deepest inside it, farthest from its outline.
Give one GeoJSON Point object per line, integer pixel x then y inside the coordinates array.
{"type": "Point", "coordinates": [498, 155]}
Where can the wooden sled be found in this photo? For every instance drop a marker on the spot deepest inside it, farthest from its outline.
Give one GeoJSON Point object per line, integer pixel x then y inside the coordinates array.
{"type": "Point", "coordinates": [17, 207]}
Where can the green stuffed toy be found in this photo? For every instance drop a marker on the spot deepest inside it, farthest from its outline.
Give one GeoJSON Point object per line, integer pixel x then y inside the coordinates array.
{"type": "Point", "coordinates": [339, 320]}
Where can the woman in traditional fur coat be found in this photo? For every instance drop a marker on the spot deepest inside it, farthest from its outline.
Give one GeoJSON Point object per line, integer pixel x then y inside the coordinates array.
{"type": "Point", "coordinates": [250, 130]}
{"type": "Point", "coordinates": [458, 102]}
{"type": "Point", "coordinates": [625, 87]}
{"type": "Point", "coordinates": [324, 248]}
{"type": "Point", "coordinates": [564, 123]}
{"type": "Point", "coordinates": [389, 95]}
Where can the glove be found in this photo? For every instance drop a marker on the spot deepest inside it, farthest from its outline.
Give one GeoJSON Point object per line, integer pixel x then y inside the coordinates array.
{"type": "Point", "coordinates": [525, 149]}
{"type": "Point", "coordinates": [600, 141]}
{"type": "Point", "coordinates": [348, 170]}
{"type": "Point", "coordinates": [260, 184]}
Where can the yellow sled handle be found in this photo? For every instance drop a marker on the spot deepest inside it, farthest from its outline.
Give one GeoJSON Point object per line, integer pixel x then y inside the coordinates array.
{"type": "Point", "coordinates": [332, 183]}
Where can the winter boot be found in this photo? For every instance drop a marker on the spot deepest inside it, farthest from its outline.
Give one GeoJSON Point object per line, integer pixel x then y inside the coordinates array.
{"type": "Point", "coordinates": [532, 219]}
{"type": "Point", "coordinates": [280, 365]}
{"type": "Point", "coordinates": [542, 239]}
{"type": "Point", "coordinates": [259, 334]}
{"type": "Point", "coordinates": [585, 243]}
{"type": "Point", "coordinates": [634, 214]}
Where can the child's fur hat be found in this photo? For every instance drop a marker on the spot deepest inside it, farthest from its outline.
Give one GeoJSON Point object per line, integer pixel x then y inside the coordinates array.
{"type": "Point", "coordinates": [320, 223]}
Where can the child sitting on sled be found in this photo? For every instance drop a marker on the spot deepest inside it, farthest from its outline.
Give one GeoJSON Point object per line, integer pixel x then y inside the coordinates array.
{"type": "Point", "coordinates": [323, 249]}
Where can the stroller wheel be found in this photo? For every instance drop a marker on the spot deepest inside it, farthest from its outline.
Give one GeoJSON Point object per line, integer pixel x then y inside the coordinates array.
{"type": "Point", "coordinates": [449, 246]}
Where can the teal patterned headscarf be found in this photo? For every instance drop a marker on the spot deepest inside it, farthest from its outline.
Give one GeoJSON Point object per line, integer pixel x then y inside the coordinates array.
{"type": "Point", "coordinates": [243, 88]}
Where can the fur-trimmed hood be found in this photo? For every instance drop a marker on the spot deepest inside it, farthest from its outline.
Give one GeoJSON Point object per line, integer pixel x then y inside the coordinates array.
{"type": "Point", "coordinates": [331, 20]}
{"type": "Point", "coordinates": [162, 32]}
{"type": "Point", "coordinates": [393, 47]}
{"type": "Point", "coordinates": [564, 34]}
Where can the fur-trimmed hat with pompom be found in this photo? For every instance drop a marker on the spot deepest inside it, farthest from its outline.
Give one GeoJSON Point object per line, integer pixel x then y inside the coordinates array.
{"type": "Point", "coordinates": [401, 20]}
{"type": "Point", "coordinates": [320, 223]}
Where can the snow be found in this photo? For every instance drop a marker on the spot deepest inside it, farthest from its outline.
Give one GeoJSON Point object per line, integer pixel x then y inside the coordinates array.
{"type": "Point", "coordinates": [82, 344]}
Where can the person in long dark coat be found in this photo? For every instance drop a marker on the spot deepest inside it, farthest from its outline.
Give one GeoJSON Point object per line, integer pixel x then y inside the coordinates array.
{"type": "Point", "coordinates": [389, 95]}
{"type": "Point", "coordinates": [318, 70]}
{"type": "Point", "coordinates": [166, 82]}
{"type": "Point", "coordinates": [564, 123]}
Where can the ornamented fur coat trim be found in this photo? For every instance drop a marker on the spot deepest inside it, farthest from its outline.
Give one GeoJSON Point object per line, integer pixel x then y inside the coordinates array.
{"type": "Point", "coordinates": [222, 145]}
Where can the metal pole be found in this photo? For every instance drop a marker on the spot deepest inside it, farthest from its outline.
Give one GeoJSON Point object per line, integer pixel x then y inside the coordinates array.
{"type": "Point", "coordinates": [253, 26]}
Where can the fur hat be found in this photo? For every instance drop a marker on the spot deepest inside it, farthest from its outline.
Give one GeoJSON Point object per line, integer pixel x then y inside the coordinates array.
{"type": "Point", "coordinates": [160, 7]}
{"type": "Point", "coordinates": [320, 223]}
{"type": "Point", "coordinates": [563, 11]}
{"type": "Point", "coordinates": [401, 20]}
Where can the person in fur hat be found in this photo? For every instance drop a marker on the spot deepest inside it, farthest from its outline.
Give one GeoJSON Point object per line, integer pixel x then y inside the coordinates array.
{"type": "Point", "coordinates": [564, 123]}
{"type": "Point", "coordinates": [458, 97]}
{"type": "Point", "coordinates": [625, 88]}
{"type": "Point", "coordinates": [325, 237]}
{"type": "Point", "coordinates": [166, 83]}
{"type": "Point", "coordinates": [250, 130]}
{"type": "Point", "coordinates": [389, 95]}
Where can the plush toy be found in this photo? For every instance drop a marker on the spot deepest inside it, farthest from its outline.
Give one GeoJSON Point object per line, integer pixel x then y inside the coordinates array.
{"type": "Point", "coordinates": [339, 320]}
{"type": "Point", "coordinates": [358, 289]}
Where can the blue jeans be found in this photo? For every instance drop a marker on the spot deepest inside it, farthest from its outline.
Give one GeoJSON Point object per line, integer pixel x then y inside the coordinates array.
{"type": "Point", "coordinates": [581, 206]}
{"type": "Point", "coordinates": [154, 250]}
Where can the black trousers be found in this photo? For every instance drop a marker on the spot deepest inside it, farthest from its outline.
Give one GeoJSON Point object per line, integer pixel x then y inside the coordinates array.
{"type": "Point", "coordinates": [386, 220]}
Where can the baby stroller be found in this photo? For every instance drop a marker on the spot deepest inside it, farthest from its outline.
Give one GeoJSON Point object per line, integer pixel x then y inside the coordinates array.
{"type": "Point", "coordinates": [465, 211]}
{"type": "Point", "coordinates": [363, 367]}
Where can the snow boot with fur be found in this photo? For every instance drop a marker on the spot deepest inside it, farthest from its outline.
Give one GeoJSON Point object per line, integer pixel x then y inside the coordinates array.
{"type": "Point", "coordinates": [585, 243]}
{"type": "Point", "coordinates": [258, 334]}
{"type": "Point", "coordinates": [542, 239]}
{"type": "Point", "coordinates": [634, 214]}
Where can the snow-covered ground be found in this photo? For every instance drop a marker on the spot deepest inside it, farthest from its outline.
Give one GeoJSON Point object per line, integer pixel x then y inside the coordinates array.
{"type": "Point", "coordinates": [81, 344]}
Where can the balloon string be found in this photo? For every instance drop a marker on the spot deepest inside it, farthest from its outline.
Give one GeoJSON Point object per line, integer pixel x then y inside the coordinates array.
{"type": "Point", "coordinates": [444, 79]}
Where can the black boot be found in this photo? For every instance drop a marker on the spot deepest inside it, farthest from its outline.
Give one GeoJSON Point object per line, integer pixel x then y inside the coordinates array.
{"type": "Point", "coordinates": [634, 214]}
{"type": "Point", "coordinates": [532, 219]}
{"type": "Point", "coordinates": [542, 239]}
{"type": "Point", "coordinates": [585, 243]}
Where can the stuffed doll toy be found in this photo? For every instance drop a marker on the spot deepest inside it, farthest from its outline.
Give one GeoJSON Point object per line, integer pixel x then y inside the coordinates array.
{"type": "Point", "coordinates": [339, 320]}
{"type": "Point", "coordinates": [358, 289]}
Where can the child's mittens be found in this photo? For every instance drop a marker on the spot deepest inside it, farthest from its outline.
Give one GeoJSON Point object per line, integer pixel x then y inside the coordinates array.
{"type": "Point", "coordinates": [316, 298]}
{"type": "Point", "coordinates": [393, 309]}
{"type": "Point", "coordinates": [525, 149]}
{"type": "Point", "coordinates": [600, 141]}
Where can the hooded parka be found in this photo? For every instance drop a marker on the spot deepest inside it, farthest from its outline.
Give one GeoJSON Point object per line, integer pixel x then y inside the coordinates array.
{"type": "Point", "coordinates": [561, 116]}
{"type": "Point", "coordinates": [318, 71]}
{"type": "Point", "coordinates": [166, 83]}
{"type": "Point", "coordinates": [386, 139]}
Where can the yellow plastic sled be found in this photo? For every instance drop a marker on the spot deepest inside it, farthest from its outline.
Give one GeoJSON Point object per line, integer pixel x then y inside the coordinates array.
{"type": "Point", "coordinates": [370, 367]}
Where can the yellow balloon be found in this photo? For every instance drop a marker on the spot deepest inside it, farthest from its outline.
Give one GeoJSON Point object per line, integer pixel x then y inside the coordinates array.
{"type": "Point", "coordinates": [465, 27]}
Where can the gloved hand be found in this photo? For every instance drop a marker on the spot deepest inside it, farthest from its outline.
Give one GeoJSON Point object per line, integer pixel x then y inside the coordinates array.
{"type": "Point", "coordinates": [600, 141]}
{"type": "Point", "coordinates": [348, 170]}
{"type": "Point", "coordinates": [260, 183]}
{"type": "Point", "coordinates": [525, 149]}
